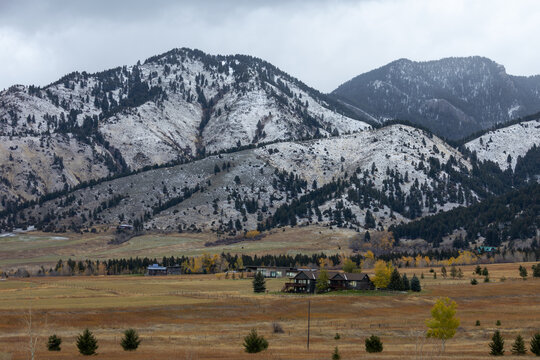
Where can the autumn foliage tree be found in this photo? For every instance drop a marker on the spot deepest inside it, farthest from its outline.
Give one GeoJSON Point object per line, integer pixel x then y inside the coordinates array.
{"type": "Point", "coordinates": [383, 272]}
{"type": "Point", "coordinates": [443, 322]}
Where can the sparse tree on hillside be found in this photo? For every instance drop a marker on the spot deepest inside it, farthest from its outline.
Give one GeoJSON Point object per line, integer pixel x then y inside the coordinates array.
{"type": "Point", "coordinates": [443, 323]}
{"type": "Point", "coordinates": [336, 355]}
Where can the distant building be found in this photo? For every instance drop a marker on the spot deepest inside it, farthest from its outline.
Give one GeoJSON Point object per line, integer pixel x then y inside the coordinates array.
{"type": "Point", "coordinates": [155, 269]}
{"type": "Point", "coordinates": [123, 227]}
{"type": "Point", "coordinates": [486, 249]}
{"type": "Point", "coordinates": [305, 282]}
{"type": "Point", "coordinates": [271, 271]}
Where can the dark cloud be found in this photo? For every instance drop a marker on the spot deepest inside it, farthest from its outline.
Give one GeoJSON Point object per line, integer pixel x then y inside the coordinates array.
{"type": "Point", "coordinates": [324, 43]}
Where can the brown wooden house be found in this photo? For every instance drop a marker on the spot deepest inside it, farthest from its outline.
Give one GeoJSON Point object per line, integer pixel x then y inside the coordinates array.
{"type": "Point", "coordinates": [305, 282]}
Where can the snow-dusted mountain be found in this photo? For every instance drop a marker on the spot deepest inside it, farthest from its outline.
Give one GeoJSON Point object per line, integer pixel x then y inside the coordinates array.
{"type": "Point", "coordinates": [505, 145]}
{"type": "Point", "coordinates": [396, 172]}
{"type": "Point", "coordinates": [175, 106]}
{"type": "Point", "coordinates": [454, 97]}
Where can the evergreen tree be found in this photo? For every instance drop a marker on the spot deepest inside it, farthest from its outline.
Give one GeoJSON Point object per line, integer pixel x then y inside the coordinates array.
{"type": "Point", "coordinates": [518, 348]}
{"type": "Point", "coordinates": [54, 343]}
{"type": "Point", "coordinates": [395, 281]}
{"type": "Point", "coordinates": [535, 344]}
{"type": "Point", "coordinates": [523, 272]}
{"type": "Point", "coordinates": [369, 220]}
{"type": "Point", "coordinates": [367, 237]}
{"type": "Point", "coordinates": [536, 270]}
{"type": "Point", "coordinates": [415, 284]}
{"type": "Point", "coordinates": [259, 283]}
{"type": "Point", "coordinates": [497, 344]}
{"type": "Point", "coordinates": [130, 341]}
{"type": "Point", "coordinates": [253, 343]}
{"type": "Point", "coordinates": [335, 354]}
{"type": "Point", "coordinates": [374, 344]}
{"type": "Point", "coordinates": [405, 282]}
{"type": "Point", "coordinates": [443, 272]}
{"type": "Point", "coordinates": [87, 343]}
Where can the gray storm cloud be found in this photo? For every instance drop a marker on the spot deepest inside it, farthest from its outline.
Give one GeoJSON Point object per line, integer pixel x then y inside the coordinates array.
{"type": "Point", "coordinates": [323, 43]}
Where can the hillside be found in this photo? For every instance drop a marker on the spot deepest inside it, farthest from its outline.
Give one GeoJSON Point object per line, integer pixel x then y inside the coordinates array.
{"type": "Point", "coordinates": [454, 97]}
{"type": "Point", "coordinates": [394, 173]}
{"type": "Point", "coordinates": [177, 106]}
{"type": "Point", "coordinates": [506, 145]}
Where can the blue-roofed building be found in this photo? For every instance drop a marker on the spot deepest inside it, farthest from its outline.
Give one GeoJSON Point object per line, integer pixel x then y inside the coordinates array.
{"type": "Point", "coordinates": [155, 269]}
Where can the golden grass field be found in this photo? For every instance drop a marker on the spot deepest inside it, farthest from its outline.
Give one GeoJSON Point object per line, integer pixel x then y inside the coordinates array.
{"type": "Point", "coordinates": [44, 248]}
{"type": "Point", "coordinates": [205, 317]}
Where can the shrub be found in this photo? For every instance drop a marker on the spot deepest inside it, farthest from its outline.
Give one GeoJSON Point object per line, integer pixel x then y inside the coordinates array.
{"type": "Point", "coordinates": [518, 348]}
{"type": "Point", "coordinates": [253, 343]}
{"type": "Point", "coordinates": [497, 344]}
{"type": "Point", "coordinates": [335, 354]}
{"type": "Point", "coordinates": [54, 343]}
{"type": "Point", "coordinates": [87, 343]}
{"type": "Point", "coordinates": [337, 337]}
{"type": "Point", "coordinates": [277, 328]}
{"type": "Point", "coordinates": [131, 340]}
{"type": "Point", "coordinates": [374, 344]}
{"type": "Point", "coordinates": [474, 281]}
{"type": "Point", "coordinates": [486, 279]}
{"type": "Point", "coordinates": [498, 323]}
{"type": "Point", "coordinates": [535, 344]}
{"type": "Point", "coordinates": [477, 323]}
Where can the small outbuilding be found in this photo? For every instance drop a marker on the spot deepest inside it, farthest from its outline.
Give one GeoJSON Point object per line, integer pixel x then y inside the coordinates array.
{"type": "Point", "coordinates": [155, 270]}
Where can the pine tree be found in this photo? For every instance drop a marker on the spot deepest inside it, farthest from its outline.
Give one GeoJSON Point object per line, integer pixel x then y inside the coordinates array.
{"type": "Point", "coordinates": [130, 341]}
{"type": "Point", "coordinates": [497, 344]}
{"type": "Point", "coordinates": [405, 282]}
{"type": "Point", "coordinates": [259, 283]}
{"type": "Point", "coordinates": [535, 344]}
{"type": "Point", "coordinates": [369, 220]}
{"type": "Point", "coordinates": [253, 343]}
{"type": "Point", "coordinates": [523, 272]}
{"type": "Point", "coordinates": [415, 284]}
{"type": "Point", "coordinates": [374, 344]}
{"type": "Point", "coordinates": [87, 343]}
{"type": "Point", "coordinates": [54, 343]}
{"type": "Point", "coordinates": [395, 281]}
{"type": "Point", "coordinates": [518, 348]}
{"type": "Point", "coordinates": [335, 354]}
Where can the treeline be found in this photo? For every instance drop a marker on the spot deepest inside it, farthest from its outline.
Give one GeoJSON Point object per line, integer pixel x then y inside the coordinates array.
{"type": "Point", "coordinates": [514, 215]}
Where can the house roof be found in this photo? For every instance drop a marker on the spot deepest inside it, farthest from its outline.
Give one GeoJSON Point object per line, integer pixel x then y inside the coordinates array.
{"type": "Point", "coordinates": [332, 275]}
{"type": "Point", "coordinates": [156, 267]}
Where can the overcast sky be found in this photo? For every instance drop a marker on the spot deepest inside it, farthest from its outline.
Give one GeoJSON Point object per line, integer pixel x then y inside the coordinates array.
{"type": "Point", "coordinates": [323, 43]}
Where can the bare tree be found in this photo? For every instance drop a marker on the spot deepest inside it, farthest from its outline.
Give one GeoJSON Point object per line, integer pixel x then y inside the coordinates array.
{"type": "Point", "coordinates": [31, 333]}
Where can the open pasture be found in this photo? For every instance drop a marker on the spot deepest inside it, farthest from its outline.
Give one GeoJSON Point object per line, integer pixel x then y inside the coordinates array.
{"type": "Point", "coordinates": [45, 248]}
{"type": "Point", "coordinates": [206, 317]}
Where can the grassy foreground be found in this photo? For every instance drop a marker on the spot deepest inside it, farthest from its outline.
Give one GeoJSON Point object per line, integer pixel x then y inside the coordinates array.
{"type": "Point", "coordinates": [204, 317]}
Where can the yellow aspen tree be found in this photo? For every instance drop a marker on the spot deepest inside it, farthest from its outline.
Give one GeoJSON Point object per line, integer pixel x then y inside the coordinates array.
{"type": "Point", "coordinates": [443, 323]}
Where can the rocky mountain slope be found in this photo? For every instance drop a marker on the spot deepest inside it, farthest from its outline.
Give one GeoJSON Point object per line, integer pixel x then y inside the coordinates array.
{"type": "Point", "coordinates": [395, 173]}
{"type": "Point", "coordinates": [454, 97]}
{"type": "Point", "coordinates": [174, 107]}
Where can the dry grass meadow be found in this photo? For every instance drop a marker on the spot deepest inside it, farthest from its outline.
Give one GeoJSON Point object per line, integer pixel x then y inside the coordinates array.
{"type": "Point", "coordinates": [206, 317]}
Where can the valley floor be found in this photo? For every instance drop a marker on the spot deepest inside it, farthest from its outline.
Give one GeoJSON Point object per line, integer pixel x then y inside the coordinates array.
{"type": "Point", "coordinates": [207, 316]}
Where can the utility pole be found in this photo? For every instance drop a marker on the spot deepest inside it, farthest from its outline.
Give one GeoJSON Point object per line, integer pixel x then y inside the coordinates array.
{"type": "Point", "coordinates": [308, 322]}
